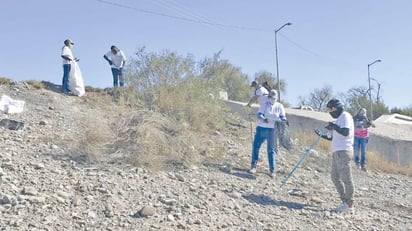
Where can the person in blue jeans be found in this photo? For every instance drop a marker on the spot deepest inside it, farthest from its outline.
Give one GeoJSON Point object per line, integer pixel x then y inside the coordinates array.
{"type": "Point", "coordinates": [116, 59]}
{"type": "Point", "coordinates": [361, 123]}
{"type": "Point", "coordinates": [67, 57]}
{"type": "Point", "coordinates": [269, 112]}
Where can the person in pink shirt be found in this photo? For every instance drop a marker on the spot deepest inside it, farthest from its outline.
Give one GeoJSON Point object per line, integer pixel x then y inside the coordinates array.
{"type": "Point", "coordinates": [361, 123]}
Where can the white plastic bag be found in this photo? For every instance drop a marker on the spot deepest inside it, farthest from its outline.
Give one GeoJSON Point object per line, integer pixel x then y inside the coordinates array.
{"type": "Point", "coordinates": [10, 106]}
{"type": "Point", "coordinates": [76, 80]}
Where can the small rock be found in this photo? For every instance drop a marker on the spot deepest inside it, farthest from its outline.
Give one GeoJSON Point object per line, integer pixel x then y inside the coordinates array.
{"type": "Point", "coordinates": [147, 211]}
{"type": "Point", "coordinates": [77, 201]}
{"type": "Point", "coordinates": [317, 200]}
{"type": "Point", "coordinates": [29, 191]}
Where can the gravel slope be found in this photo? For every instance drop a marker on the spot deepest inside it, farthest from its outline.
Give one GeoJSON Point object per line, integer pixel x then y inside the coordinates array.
{"type": "Point", "coordinates": [44, 188]}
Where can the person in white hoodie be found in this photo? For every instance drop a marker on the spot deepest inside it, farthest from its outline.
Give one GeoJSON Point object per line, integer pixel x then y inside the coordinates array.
{"type": "Point", "coordinates": [269, 112]}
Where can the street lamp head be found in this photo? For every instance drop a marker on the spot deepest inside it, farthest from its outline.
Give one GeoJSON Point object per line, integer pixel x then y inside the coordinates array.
{"type": "Point", "coordinates": [376, 61]}
{"type": "Point", "coordinates": [286, 24]}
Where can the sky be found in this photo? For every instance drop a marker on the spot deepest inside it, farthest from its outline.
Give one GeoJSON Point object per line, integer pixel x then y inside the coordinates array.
{"type": "Point", "coordinates": [330, 43]}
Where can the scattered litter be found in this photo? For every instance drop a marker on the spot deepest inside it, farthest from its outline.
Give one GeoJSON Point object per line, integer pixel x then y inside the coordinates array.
{"type": "Point", "coordinates": [11, 124]}
{"type": "Point", "coordinates": [297, 192]}
{"type": "Point", "coordinates": [10, 106]}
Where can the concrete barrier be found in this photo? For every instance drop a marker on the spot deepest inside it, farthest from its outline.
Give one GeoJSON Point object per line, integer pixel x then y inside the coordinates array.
{"type": "Point", "coordinates": [392, 141]}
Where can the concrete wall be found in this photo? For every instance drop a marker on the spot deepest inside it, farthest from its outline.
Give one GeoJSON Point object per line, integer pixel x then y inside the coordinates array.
{"type": "Point", "coordinates": [393, 142]}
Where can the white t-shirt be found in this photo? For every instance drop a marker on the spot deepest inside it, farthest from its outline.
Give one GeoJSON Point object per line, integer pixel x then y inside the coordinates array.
{"type": "Point", "coordinates": [117, 59]}
{"type": "Point", "coordinates": [66, 51]}
{"type": "Point", "coordinates": [271, 111]}
{"type": "Point", "coordinates": [339, 142]}
{"type": "Point", "coordinates": [260, 92]}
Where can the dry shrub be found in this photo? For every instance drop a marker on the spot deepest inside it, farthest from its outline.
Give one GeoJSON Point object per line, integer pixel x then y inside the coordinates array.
{"type": "Point", "coordinates": [190, 102]}
{"type": "Point", "coordinates": [178, 130]}
{"type": "Point", "coordinates": [376, 161]}
{"type": "Point", "coordinates": [36, 84]}
{"type": "Point", "coordinates": [92, 89]}
{"type": "Point", "coordinates": [150, 139]}
{"type": "Point", "coordinates": [5, 81]}
{"type": "Point", "coordinates": [127, 96]}
{"type": "Point", "coordinates": [305, 139]}
{"type": "Point", "coordinates": [96, 144]}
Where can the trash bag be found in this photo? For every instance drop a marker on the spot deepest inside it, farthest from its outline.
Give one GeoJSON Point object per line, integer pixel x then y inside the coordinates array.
{"type": "Point", "coordinates": [76, 80]}
{"type": "Point", "coordinates": [283, 134]}
{"type": "Point", "coordinates": [10, 106]}
{"type": "Point", "coordinates": [11, 124]}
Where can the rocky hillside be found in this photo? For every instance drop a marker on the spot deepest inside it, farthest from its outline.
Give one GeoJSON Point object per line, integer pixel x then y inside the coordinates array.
{"type": "Point", "coordinates": [45, 187]}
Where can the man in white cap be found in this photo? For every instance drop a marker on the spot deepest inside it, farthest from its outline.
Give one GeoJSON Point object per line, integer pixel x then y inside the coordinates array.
{"type": "Point", "coordinates": [67, 57]}
{"type": "Point", "coordinates": [259, 94]}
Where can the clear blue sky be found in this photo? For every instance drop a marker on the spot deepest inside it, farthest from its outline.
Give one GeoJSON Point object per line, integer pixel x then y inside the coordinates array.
{"type": "Point", "coordinates": [328, 43]}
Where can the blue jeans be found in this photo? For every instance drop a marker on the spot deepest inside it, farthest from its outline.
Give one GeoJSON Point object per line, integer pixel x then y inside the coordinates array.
{"type": "Point", "coordinates": [359, 145]}
{"type": "Point", "coordinates": [261, 135]}
{"type": "Point", "coordinates": [66, 75]}
{"type": "Point", "coordinates": [117, 75]}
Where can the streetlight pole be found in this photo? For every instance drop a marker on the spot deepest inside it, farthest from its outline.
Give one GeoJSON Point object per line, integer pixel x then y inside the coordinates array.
{"type": "Point", "coordinates": [370, 89]}
{"type": "Point", "coordinates": [276, 51]}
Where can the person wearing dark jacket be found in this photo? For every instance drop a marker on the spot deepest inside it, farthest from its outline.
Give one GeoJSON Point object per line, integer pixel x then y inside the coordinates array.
{"type": "Point", "coordinates": [361, 123]}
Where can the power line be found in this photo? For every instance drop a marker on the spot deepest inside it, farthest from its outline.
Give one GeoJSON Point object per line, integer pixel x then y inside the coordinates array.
{"type": "Point", "coordinates": [198, 20]}
{"type": "Point", "coordinates": [327, 58]}
{"type": "Point", "coordinates": [188, 16]}
{"type": "Point", "coordinates": [184, 10]}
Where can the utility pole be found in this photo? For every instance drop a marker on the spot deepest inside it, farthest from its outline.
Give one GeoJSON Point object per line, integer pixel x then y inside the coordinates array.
{"type": "Point", "coordinates": [276, 51]}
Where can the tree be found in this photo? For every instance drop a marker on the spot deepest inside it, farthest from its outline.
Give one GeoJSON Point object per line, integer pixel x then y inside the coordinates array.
{"type": "Point", "coordinates": [318, 98]}
{"type": "Point", "coordinates": [221, 74]}
{"type": "Point", "coordinates": [265, 76]}
{"type": "Point", "coordinates": [355, 99]}
{"type": "Point", "coordinates": [358, 97]}
{"type": "Point", "coordinates": [403, 111]}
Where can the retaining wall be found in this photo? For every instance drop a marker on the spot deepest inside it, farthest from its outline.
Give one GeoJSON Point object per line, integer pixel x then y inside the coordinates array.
{"type": "Point", "coordinates": [392, 141]}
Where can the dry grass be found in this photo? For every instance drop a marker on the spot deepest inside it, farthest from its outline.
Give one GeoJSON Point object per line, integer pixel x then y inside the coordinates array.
{"type": "Point", "coordinates": [149, 139]}
{"type": "Point", "coordinates": [5, 81]}
{"type": "Point", "coordinates": [376, 161]}
{"type": "Point", "coordinates": [96, 141]}
{"type": "Point", "coordinates": [36, 84]}
{"type": "Point", "coordinates": [176, 131]}
{"type": "Point", "coordinates": [304, 139]}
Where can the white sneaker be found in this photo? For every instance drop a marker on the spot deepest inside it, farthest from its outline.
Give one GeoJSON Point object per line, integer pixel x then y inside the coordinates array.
{"type": "Point", "coordinates": [252, 170]}
{"type": "Point", "coordinates": [344, 208]}
{"type": "Point", "coordinates": [272, 175]}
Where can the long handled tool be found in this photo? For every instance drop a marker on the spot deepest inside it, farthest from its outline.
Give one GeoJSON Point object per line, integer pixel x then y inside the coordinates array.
{"type": "Point", "coordinates": [306, 154]}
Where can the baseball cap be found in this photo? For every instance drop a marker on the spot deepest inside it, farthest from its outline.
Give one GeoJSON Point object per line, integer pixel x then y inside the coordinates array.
{"type": "Point", "coordinates": [254, 83]}
{"type": "Point", "coordinates": [68, 41]}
